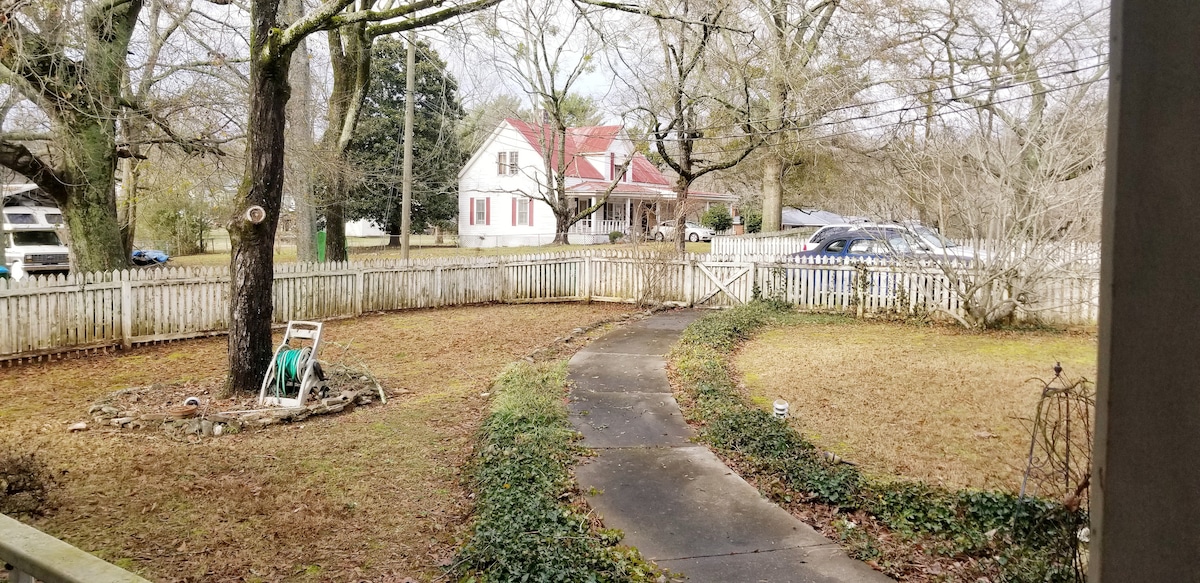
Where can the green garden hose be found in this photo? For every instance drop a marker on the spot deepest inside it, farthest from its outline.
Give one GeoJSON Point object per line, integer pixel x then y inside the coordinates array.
{"type": "Point", "coordinates": [289, 367]}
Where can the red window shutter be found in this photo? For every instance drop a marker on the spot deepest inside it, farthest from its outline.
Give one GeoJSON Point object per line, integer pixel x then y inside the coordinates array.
{"type": "Point", "coordinates": [514, 211]}
{"type": "Point", "coordinates": [530, 214]}
{"type": "Point", "coordinates": [487, 211]}
{"type": "Point", "coordinates": [471, 211]}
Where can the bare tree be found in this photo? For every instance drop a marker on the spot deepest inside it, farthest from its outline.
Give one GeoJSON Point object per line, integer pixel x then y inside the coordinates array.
{"type": "Point", "coordinates": [1011, 148]}
{"type": "Point", "coordinates": [547, 52]}
{"type": "Point", "coordinates": [806, 74]}
{"type": "Point", "coordinates": [699, 112]}
{"type": "Point", "coordinates": [301, 160]}
{"type": "Point", "coordinates": [257, 206]}
{"type": "Point", "coordinates": [69, 61]}
{"type": "Point", "coordinates": [165, 48]}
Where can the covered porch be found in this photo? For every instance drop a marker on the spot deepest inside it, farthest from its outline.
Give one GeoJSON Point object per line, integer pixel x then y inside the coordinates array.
{"type": "Point", "coordinates": [627, 215]}
{"type": "Point", "coordinates": [634, 212]}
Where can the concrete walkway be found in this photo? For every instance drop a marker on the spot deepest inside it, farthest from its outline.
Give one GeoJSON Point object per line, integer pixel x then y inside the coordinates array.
{"type": "Point", "coordinates": [675, 500]}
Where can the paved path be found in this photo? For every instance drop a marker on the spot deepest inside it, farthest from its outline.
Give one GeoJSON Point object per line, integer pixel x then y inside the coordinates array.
{"type": "Point", "coordinates": [675, 500]}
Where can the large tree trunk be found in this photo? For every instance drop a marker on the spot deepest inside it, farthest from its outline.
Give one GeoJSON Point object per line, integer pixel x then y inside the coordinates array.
{"type": "Point", "coordinates": [252, 262]}
{"type": "Point", "coordinates": [772, 193]}
{"type": "Point", "coordinates": [131, 177]}
{"type": "Point", "coordinates": [336, 248]}
{"type": "Point", "coordinates": [300, 142]}
{"type": "Point", "coordinates": [90, 205]}
{"type": "Point", "coordinates": [562, 221]}
{"type": "Point", "coordinates": [350, 56]}
{"type": "Point", "coordinates": [681, 191]}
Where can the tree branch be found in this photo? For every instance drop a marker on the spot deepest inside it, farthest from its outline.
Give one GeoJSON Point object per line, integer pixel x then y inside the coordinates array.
{"type": "Point", "coordinates": [633, 8]}
{"type": "Point", "coordinates": [25, 137]}
{"type": "Point", "coordinates": [432, 18]}
{"type": "Point", "coordinates": [19, 159]}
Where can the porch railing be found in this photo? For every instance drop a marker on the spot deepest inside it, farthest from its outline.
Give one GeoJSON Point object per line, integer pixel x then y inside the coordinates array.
{"type": "Point", "coordinates": [592, 226]}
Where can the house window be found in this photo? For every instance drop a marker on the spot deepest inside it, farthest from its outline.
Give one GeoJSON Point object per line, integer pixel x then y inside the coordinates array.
{"type": "Point", "coordinates": [506, 163]}
{"type": "Point", "coordinates": [522, 212]}
{"type": "Point", "coordinates": [481, 211]}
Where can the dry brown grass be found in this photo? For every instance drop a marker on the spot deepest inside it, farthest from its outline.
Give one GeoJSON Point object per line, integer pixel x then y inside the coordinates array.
{"type": "Point", "coordinates": [370, 495]}
{"type": "Point", "coordinates": [938, 404]}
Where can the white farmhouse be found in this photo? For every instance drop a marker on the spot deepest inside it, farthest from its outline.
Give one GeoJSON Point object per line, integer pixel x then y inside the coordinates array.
{"type": "Point", "coordinates": [499, 186]}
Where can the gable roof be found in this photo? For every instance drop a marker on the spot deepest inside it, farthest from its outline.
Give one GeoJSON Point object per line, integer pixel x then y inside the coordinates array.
{"type": "Point", "coordinates": [543, 135]}
{"type": "Point", "coordinates": [589, 140]}
{"type": "Point", "coordinates": [593, 139]}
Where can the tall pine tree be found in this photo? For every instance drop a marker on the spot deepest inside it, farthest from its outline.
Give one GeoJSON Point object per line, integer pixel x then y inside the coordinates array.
{"type": "Point", "coordinates": [377, 144]}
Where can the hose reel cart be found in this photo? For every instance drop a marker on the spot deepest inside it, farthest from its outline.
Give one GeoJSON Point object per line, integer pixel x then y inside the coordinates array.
{"type": "Point", "coordinates": [294, 372]}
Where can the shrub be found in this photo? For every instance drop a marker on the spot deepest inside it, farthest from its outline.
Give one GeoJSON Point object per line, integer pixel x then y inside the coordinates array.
{"type": "Point", "coordinates": [614, 236]}
{"type": "Point", "coordinates": [717, 218]}
{"type": "Point", "coordinates": [753, 221]}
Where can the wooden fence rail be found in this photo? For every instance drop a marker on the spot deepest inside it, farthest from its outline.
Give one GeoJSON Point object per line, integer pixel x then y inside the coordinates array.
{"type": "Point", "coordinates": [42, 316]}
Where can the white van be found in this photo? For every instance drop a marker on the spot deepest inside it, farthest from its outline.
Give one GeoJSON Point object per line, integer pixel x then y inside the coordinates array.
{"type": "Point", "coordinates": [33, 233]}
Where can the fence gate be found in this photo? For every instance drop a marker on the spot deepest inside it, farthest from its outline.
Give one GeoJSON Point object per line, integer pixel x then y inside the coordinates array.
{"type": "Point", "coordinates": [723, 284]}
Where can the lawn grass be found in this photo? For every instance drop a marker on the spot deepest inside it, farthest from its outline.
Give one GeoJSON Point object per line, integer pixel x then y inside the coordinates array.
{"type": "Point", "coordinates": [908, 529]}
{"type": "Point", "coordinates": [373, 249]}
{"type": "Point", "coordinates": [938, 404]}
{"type": "Point", "coordinates": [375, 494]}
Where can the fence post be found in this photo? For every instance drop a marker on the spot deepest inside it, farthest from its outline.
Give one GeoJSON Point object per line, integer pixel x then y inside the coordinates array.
{"type": "Point", "coordinates": [502, 294]}
{"type": "Point", "coordinates": [437, 286]}
{"type": "Point", "coordinates": [358, 293]}
{"type": "Point", "coordinates": [585, 285]}
{"type": "Point", "coordinates": [126, 312]}
{"type": "Point", "coordinates": [754, 283]}
{"type": "Point", "coordinates": [689, 282]}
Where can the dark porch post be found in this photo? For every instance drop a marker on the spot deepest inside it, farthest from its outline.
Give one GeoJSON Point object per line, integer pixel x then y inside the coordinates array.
{"type": "Point", "coordinates": [1146, 503]}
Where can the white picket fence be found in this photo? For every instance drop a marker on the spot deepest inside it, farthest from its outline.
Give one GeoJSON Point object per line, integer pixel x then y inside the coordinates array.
{"type": "Point", "coordinates": [787, 242]}
{"type": "Point", "coordinates": [784, 243]}
{"type": "Point", "coordinates": [42, 316]}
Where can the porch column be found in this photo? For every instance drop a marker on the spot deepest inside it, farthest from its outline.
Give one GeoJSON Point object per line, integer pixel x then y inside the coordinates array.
{"type": "Point", "coordinates": [629, 216]}
{"type": "Point", "coordinates": [595, 223]}
{"type": "Point", "coordinates": [1145, 506]}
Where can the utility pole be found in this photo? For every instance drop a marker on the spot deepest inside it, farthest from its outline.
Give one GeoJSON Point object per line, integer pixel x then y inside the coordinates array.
{"type": "Point", "coordinates": [410, 82]}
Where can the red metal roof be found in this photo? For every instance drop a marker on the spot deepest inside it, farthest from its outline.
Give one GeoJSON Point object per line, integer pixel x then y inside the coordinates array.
{"type": "Point", "coordinates": [593, 139]}
{"type": "Point", "coordinates": [643, 171]}
{"type": "Point", "coordinates": [622, 188]}
{"type": "Point", "coordinates": [577, 165]}
{"type": "Point", "coordinates": [588, 140]}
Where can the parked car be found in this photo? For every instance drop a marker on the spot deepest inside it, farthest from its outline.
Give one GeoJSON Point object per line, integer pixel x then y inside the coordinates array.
{"type": "Point", "coordinates": [863, 243]}
{"type": "Point", "coordinates": [693, 232]}
{"type": "Point", "coordinates": [942, 247]}
{"type": "Point", "coordinates": [922, 240]}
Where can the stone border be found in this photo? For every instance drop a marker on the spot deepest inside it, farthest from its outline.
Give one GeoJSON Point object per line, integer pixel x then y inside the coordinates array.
{"type": "Point", "coordinates": [187, 420]}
